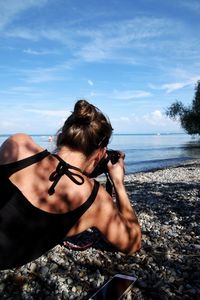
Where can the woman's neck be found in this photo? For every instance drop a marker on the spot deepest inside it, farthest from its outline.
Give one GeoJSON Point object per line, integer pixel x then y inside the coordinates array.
{"type": "Point", "coordinates": [73, 157]}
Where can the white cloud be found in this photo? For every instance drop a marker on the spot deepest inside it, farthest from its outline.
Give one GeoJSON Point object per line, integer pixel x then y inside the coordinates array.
{"type": "Point", "coordinates": [135, 118]}
{"type": "Point", "coordinates": [39, 75]}
{"type": "Point", "coordinates": [154, 121]}
{"type": "Point", "coordinates": [158, 119]}
{"type": "Point", "coordinates": [120, 94]}
{"type": "Point", "coordinates": [17, 93]}
{"type": "Point", "coordinates": [154, 117]}
{"type": "Point", "coordinates": [129, 94]}
{"type": "Point", "coordinates": [9, 9]}
{"type": "Point", "coordinates": [192, 5]}
{"type": "Point", "coordinates": [125, 119]}
{"type": "Point", "coordinates": [50, 113]}
{"type": "Point", "coordinates": [107, 40]}
{"type": "Point", "coordinates": [22, 33]}
{"type": "Point", "coordinates": [6, 126]}
{"type": "Point", "coordinates": [120, 122]}
{"type": "Point", "coordinates": [38, 34]}
{"type": "Point", "coordinates": [90, 82]}
{"type": "Point", "coordinates": [171, 87]}
{"type": "Point", "coordinates": [15, 121]}
{"type": "Point", "coordinates": [39, 52]}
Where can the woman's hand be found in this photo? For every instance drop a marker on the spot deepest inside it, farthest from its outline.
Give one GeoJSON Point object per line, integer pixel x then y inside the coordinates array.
{"type": "Point", "coordinates": [117, 170]}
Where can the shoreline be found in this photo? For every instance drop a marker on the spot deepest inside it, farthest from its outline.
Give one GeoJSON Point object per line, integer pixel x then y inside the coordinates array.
{"type": "Point", "coordinates": [178, 163]}
{"type": "Point", "coordinates": [167, 202]}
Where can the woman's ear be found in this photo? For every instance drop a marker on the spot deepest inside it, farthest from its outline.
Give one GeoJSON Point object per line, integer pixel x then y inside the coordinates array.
{"type": "Point", "coordinates": [101, 153]}
{"type": "Point", "coordinates": [96, 157]}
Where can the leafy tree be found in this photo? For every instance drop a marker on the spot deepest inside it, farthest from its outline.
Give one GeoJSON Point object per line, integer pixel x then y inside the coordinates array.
{"type": "Point", "coordinates": [189, 116]}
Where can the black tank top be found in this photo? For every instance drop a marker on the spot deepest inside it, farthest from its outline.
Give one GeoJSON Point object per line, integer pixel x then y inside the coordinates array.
{"type": "Point", "coordinates": [27, 232]}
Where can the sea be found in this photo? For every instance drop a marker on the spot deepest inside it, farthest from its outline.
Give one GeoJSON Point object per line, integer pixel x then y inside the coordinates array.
{"type": "Point", "coordinates": [143, 152]}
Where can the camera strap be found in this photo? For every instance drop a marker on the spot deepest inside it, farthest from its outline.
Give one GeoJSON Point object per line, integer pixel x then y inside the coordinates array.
{"type": "Point", "coordinates": [109, 186]}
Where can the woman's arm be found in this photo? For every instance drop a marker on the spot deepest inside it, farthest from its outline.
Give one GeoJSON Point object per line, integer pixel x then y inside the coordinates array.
{"type": "Point", "coordinates": [119, 227]}
{"type": "Point", "coordinates": [118, 221]}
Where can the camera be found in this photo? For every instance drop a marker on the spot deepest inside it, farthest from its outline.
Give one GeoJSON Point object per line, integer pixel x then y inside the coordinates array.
{"type": "Point", "coordinates": [113, 156]}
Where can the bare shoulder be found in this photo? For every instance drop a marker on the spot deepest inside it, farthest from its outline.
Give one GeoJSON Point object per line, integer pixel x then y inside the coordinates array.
{"type": "Point", "coordinates": [99, 212]}
{"type": "Point", "coordinates": [18, 146]}
{"type": "Point", "coordinates": [19, 138]}
{"type": "Point", "coordinates": [103, 209]}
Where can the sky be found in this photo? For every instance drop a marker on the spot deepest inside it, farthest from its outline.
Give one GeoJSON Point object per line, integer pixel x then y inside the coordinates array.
{"type": "Point", "coordinates": [131, 58]}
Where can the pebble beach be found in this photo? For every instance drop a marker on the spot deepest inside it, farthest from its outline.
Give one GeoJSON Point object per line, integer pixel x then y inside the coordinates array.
{"type": "Point", "coordinates": [167, 202]}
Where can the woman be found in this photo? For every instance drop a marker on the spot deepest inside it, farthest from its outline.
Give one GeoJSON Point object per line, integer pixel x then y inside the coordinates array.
{"type": "Point", "coordinates": [45, 198]}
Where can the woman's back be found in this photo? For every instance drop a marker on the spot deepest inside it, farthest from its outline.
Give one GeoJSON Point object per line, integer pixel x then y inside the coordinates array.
{"type": "Point", "coordinates": [31, 220]}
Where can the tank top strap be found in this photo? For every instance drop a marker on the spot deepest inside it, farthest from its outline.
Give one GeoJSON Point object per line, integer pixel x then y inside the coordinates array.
{"type": "Point", "coordinates": [11, 168]}
{"type": "Point", "coordinates": [92, 196]}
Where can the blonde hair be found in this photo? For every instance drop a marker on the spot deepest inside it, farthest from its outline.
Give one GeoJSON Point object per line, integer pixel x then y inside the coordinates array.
{"type": "Point", "coordinates": [86, 129]}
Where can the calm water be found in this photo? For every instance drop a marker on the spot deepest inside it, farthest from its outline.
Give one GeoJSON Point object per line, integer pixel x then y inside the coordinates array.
{"type": "Point", "coordinates": [144, 152]}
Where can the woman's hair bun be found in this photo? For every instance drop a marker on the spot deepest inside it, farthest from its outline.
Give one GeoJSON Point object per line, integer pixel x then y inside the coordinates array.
{"type": "Point", "coordinates": [86, 129]}
{"type": "Point", "coordinates": [84, 112]}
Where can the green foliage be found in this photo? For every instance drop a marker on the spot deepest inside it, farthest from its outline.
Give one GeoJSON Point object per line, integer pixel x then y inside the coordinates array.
{"type": "Point", "coordinates": [196, 101]}
{"type": "Point", "coordinates": [189, 117]}
{"type": "Point", "coordinates": [176, 109]}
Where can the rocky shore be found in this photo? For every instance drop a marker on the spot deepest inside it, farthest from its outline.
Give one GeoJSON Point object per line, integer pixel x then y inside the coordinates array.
{"type": "Point", "coordinates": [167, 202]}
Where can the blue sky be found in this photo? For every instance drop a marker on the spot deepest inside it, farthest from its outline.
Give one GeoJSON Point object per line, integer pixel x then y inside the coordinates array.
{"type": "Point", "coordinates": [131, 58]}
